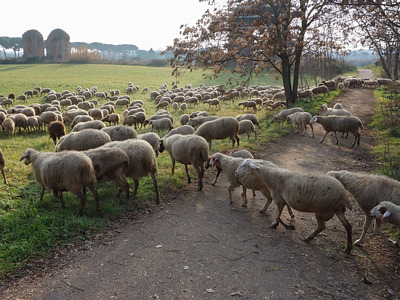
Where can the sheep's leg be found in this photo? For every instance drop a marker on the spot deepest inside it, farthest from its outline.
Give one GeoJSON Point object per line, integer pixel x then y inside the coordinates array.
{"type": "Point", "coordinates": [312, 129]}
{"type": "Point", "coordinates": [323, 138]}
{"type": "Point", "coordinates": [377, 230]}
{"type": "Point", "coordinates": [347, 225]}
{"type": "Point", "coordinates": [136, 186]}
{"type": "Point", "coordinates": [289, 209]}
{"type": "Point", "coordinates": [244, 196]}
{"type": "Point", "coordinates": [154, 179]}
{"type": "Point", "coordinates": [280, 203]}
{"type": "Point", "coordinates": [187, 173]}
{"type": "Point", "coordinates": [367, 223]}
{"type": "Point", "coordinates": [93, 189]}
{"type": "Point", "coordinates": [321, 227]}
{"type": "Point", "coordinates": [254, 192]}
{"type": "Point", "coordinates": [230, 190]}
{"type": "Point", "coordinates": [42, 193]}
{"type": "Point", "coordinates": [82, 197]}
{"type": "Point", "coordinates": [237, 140]}
{"type": "Point", "coordinates": [269, 201]}
{"type": "Point", "coordinates": [173, 165]}
{"type": "Point", "coordinates": [337, 140]}
{"type": "Point", "coordinates": [4, 176]}
{"type": "Point", "coordinates": [60, 196]}
{"type": "Point", "coordinates": [219, 170]}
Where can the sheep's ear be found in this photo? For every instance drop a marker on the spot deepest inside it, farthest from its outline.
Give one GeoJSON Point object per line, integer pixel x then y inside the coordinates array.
{"type": "Point", "coordinates": [25, 155]}
{"type": "Point", "coordinates": [253, 166]}
{"type": "Point", "coordinates": [387, 214]}
{"type": "Point", "coordinates": [382, 210]}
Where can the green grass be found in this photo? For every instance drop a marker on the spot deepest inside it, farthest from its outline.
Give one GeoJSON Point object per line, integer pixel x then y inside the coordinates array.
{"type": "Point", "coordinates": [30, 228]}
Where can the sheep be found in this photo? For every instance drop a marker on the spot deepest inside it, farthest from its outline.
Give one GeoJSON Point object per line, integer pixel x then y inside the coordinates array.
{"type": "Point", "coordinates": [326, 111]}
{"type": "Point", "coordinates": [247, 127]}
{"type": "Point", "coordinates": [229, 164]}
{"type": "Point", "coordinates": [321, 89]}
{"type": "Point", "coordinates": [247, 104]}
{"type": "Point", "coordinates": [3, 165]}
{"type": "Point", "coordinates": [342, 124]}
{"type": "Point", "coordinates": [66, 171]}
{"type": "Point", "coordinates": [122, 102]}
{"type": "Point", "coordinates": [161, 124]}
{"type": "Point", "coordinates": [8, 126]}
{"type": "Point", "coordinates": [56, 129]}
{"type": "Point", "coordinates": [69, 115]}
{"type": "Point", "coordinates": [305, 94]}
{"type": "Point", "coordinates": [369, 190]}
{"type": "Point", "coordinates": [213, 102]}
{"type": "Point", "coordinates": [184, 119]}
{"type": "Point", "coordinates": [110, 164]}
{"type": "Point", "coordinates": [142, 161]}
{"type": "Point", "coordinates": [95, 124]}
{"type": "Point", "coordinates": [81, 119]}
{"type": "Point", "coordinates": [112, 118]}
{"type": "Point", "coordinates": [33, 123]}
{"type": "Point", "coordinates": [321, 194]}
{"type": "Point", "coordinates": [282, 115]}
{"type": "Point", "coordinates": [175, 106]}
{"type": "Point", "coordinates": [162, 104]}
{"type": "Point", "coordinates": [387, 211]}
{"type": "Point", "coordinates": [219, 129]}
{"type": "Point", "coordinates": [82, 140]}
{"type": "Point", "coordinates": [277, 104]}
{"type": "Point", "coordinates": [183, 106]}
{"type": "Point", "coordinates": [301, 120]}
{"type": "Point", "coordinates": [120, 132]}
{"type": "Point", "coordinates": [197, 121]}
{"type": "Point", "coordinates": [330, 84]}
{"type": "Point", "coordinates": [20, 121]}
{"type": "Point", "coordinates": [184, 130]}
{"type": "Point", "coordinates": [250, 117]}
{"type": "Point", "coordinates": [188, 150]}
{"type": "Point", "coordinates": [338, 106]}
{"type": "Point", "coordinates": [153, 139]}
{"type": "Point", "coordinates": [370, 83]}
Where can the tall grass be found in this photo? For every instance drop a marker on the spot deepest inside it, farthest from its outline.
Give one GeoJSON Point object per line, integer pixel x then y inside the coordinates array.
{"type": "Point", "coordinates": [29, 228]}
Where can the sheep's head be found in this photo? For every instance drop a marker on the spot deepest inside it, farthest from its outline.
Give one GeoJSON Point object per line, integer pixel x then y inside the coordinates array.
{"type": "Point", "coordinates": [380, 212]}
{"type": "Point", "coordinates": [26, 157]}
{"type": "Point", "coordinates": [246, 165]}
{"type": "Point", "coordinates": [314, 120]}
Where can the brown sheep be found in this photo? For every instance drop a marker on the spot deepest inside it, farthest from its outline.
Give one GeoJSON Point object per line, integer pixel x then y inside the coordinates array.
{"type": "Point", "coordinates": [56, 129]}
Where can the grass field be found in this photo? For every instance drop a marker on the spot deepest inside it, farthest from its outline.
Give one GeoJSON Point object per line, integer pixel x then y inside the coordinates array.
{"type": "Point", "coordinates": [30, 229]}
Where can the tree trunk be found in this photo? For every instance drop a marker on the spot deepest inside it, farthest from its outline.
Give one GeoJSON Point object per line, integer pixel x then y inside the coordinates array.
{"type": "Point", "coordinates": [396, 65]}
{"type": "Point", "coordinates": [287, 85]}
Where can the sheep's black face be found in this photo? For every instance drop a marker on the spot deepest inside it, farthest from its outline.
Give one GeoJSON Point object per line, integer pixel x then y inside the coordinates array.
{"type": "Point", "coordinates": [162, 148]}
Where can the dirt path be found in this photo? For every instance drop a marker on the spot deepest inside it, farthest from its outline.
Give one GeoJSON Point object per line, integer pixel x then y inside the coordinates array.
{"type": "Point", "coordinates": [197, 246]}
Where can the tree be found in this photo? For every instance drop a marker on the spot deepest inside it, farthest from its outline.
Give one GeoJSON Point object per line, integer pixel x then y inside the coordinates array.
{"type": "Point", "coordinates": [251, 36]}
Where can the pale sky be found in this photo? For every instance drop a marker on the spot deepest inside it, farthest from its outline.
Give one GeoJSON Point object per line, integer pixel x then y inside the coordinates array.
{"type": "Point", "coordinates": [144, 23]}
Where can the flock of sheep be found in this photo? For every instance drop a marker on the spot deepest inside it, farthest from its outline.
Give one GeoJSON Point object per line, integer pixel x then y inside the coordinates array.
{"type": "Point", "coordinates": [93, 152]}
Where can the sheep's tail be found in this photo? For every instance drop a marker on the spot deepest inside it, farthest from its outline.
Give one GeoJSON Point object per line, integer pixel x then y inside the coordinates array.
{"type": "Point", "coordinates": [347, 203]}
{"type": "Point", "coordinates": [361, 125]}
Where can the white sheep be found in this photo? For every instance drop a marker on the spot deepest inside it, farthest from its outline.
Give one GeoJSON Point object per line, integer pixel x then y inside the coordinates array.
{"type": "Point", "coordinates": [120, 132]}
{"type": "Point", "coordinates": [327, 111]}
{"type": "Point", "coordinates": [188, 150]}
{"type": "Point", "coordinates": [387, 212]}
{"type": "Point", "coordinates": [220, 128]}
{"type": "Point", "coordinates": [2, 166]}
{"type": "Point", "coordinates": [253, 118]}
{"type": "Point", "coordinates": [184, 130]}
{"type": "Point", "coordinates": [321, 194]}
{"type": "Point", "coordinates": [282, 115]}
{"type": "Point", "coordinates": [247, 127]}
{"type": "Point", "coordinates": [153, 139]}
{"type": "Point", "coordinates": [161, 124]}
{"type": "Point", "coordinates": [96, 124]}
{"type": "Point", "coordinates": [301, 120]}
{"type": "Point", "coordinates": [82, 140]}
{"type": "Point", "coordinates": [342, 124]}
{"type": "Point", "coordinates": [184, 119]}
{"type": "Point", "coordinates": [142, 161]}
{"type": "Point", "coordinates": [369, 190]}
{"type": "Point", "coordinates": [65, 171]}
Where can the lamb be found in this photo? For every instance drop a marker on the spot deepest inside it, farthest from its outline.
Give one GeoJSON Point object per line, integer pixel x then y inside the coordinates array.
{"type": "Point", "coordinates": [184, 119]}
{"type": "Point", "coordinates": [112, 118]}
{"type": "Point", "coordinates": [247, 127]}
{"type": "Point", "coordinates": [56, 129]}
{"type": "Point", "coordinates": [153, 139]}
{"type": "Point", "coordinates": [82, 140]}
{"type": "Point", "coordinates": [320, 194]}
{"type": "Point", "coordinates": [342, 124]}
{"type": "Point", "coordinates": [387, 211]}
{"type": "Point", "coordinates": [110, 164]}
{"type": "Point", "coordinates": [219, 129]}
{"type": "Point", "coordinates": [326, 111]}
{"type": "Point", "coordinates": [95, 124]}
{"type": "Point", "coordinates": [282, 115]}
{"type": "Point", "coordinates": [142, 161]}
{"type": "Point", "coordinates": [301, 120]}
{"type": "Point", "coordinates": [248, 104]}
{"type": "Point", "coordinates": [184, 130]}
{"type": "Point", "coordinates": [369, 190]}
{"type": "Point", "coordinates": [120, 132]}
{"type": "Point", "coordinates": [8, 126]}
{"type": "Point", "coordinates": [188, 150]}
{"type": "Point", "coordinates": [66, 171]}
{"type": "Point", "coordinates": [250, 117]}
{"type": "Point", "coordinates": [161, 124]}
{"type": "Point", "coordinates": [3, 165]}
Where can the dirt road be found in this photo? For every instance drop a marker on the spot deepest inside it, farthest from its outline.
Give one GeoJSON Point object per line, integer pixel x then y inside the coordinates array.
{"type": "Point", "coordinates": [198, 246]}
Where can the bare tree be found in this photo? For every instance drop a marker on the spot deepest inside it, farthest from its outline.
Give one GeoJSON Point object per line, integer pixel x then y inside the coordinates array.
{"type": "Point", "coordinates": [251, 36]}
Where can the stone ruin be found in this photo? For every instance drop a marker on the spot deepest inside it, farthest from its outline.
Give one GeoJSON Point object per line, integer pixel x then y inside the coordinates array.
{"type": "Point", "coordinates": [58, 47]}
{"type": "Point", "coordinates": [33, 44]}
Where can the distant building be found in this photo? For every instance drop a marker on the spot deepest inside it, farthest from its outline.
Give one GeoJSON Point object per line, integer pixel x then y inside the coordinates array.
{"type": "Point", "coordinates": [58, 46]}
{"type": "Point", "coordinates": [33, 44]}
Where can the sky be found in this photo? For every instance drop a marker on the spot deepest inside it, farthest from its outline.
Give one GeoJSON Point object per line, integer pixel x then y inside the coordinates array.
{"type": "Point", "coordinates": [144, 23]}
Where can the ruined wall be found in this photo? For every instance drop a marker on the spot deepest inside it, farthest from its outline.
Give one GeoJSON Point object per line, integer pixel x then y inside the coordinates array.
{"type": "Point", "coordinates": [33, 44]}
{"type": "Point", "coordinates": [58, 46]}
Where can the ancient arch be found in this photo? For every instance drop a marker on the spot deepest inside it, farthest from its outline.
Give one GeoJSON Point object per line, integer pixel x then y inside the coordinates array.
{"type": "Point", "coordinates": [58, 46]}
{"type": "Point", "coordinates": [33, 44]}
